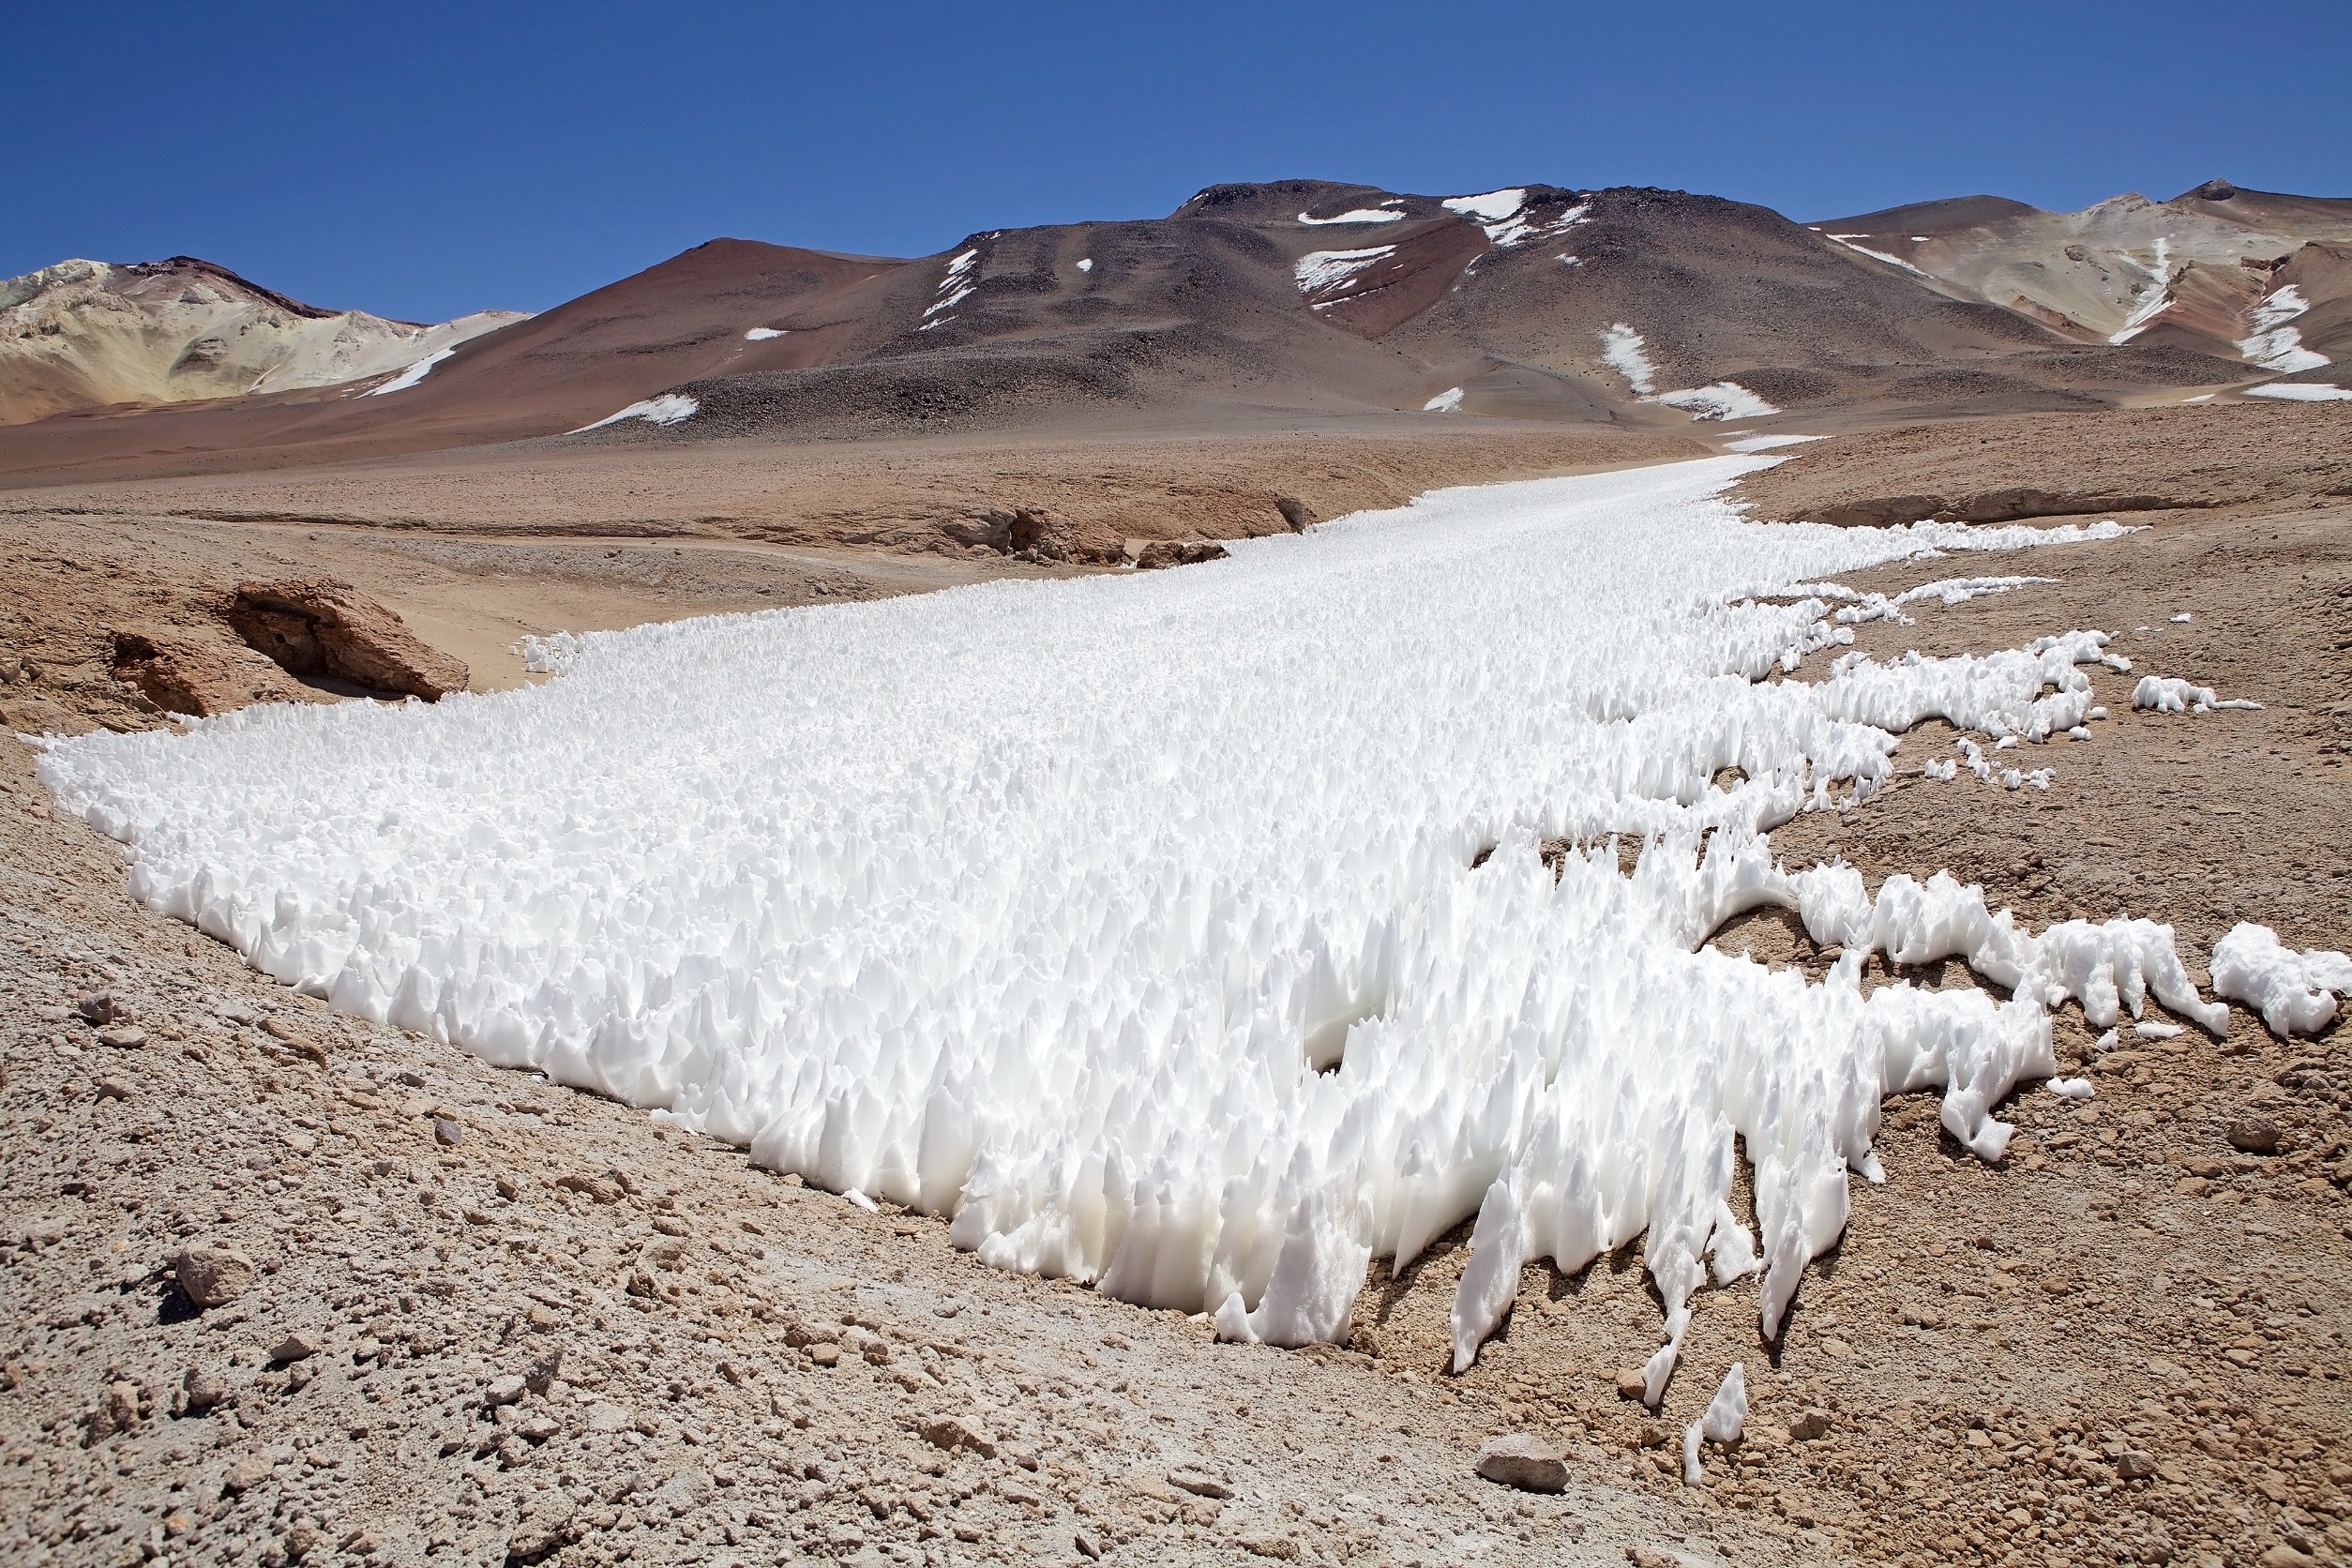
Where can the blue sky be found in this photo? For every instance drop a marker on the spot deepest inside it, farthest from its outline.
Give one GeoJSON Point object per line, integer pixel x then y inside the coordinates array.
{"type": "Point", "coordinates": [426, 160]}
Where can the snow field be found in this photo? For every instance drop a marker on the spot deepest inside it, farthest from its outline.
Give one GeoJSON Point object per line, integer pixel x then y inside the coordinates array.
{"type": "Point", "coordinates": [2300, 392]}
{"type": "Point", "coordinates": [1326, 278]}
{"type": "Point", "coordinates": [1624, 351]}
{"type": "Point", "coordinates": [410, 376]}
{"type": "Point", "coordinates": [670, 408]}
{"type": "Point", "coordinates": [1139, 922]}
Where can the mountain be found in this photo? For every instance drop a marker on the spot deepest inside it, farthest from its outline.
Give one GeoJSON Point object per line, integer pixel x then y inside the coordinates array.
{"type": "Point", "coordinates": [87, 334]}
{"type": "Point", "coordinates": [2249, 275]}
{"type": "Point", "coordinates": [1316, 299]}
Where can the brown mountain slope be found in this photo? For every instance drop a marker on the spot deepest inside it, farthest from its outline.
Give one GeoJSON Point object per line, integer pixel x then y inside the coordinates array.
{"type": "Point", "coordinates": [1249, 303]}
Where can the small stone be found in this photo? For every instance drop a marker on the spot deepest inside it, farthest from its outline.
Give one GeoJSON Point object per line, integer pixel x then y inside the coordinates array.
{"type": "Point", "coordinates": [447, 1133]}
{"type": "Point", "coordinates": [1524, 1461]}
{"type": "Point", "coordinates": [300, 1540]}
{"type": "Point", "coordinates": [297, 1346]}
{"type": "Point", "coordinates": [1643, 1557]}
{"type": "Point", "coordinates": [246, 1475]}
{"type": "Point", "coordinates": [100, 1007]}
{"type": "Point", "coordinates": [2132, 1465]}
{"type": "Point", "coordinates": [1809, 1427]}
{"type": "Point", "coordinates": [123, 1036]}
{"type": "Point", "coordinates": [2255, 1135]}
{"type": "Point", "coordinates": [2056, 1285]}
{"type": "Point", "coordinates": [537, 1538]}
{"type": "Point", "coordinates": [117, 1410]}
{"type": "Point", "coordinates": [825, 1355]}
{"type": "Point", "coordinates": [542, 1373]}
{"type": "Point", "coordinates": [112, 1089]}
{"type": "Point", "coordinates": [1630, 1384]}
{"type": "Point", "coordinates": [951, 1433]}
{"type": "Point", "coordinates": [1087, 1547]}
{"type": "Point", "coordinates": [1200, 1483]}
{"type": "Point", "coordinates": [539, 1317]}
{"type": "Point", "coordinates": [2283, 1556]}
{"type": "Point", "coordinates": [1258, 1542]}
{"type": "Point", "coordinates": [211, 1276]}
{"type": "Point", "coordinates": [201, 1391]}
{"type": "Point", "coordinates": [508, 1390]}
{"type": "Point", "coordinates": [669, 1225]}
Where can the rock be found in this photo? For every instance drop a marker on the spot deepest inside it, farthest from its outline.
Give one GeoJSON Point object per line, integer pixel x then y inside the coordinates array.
{"type": "Point", "coordinates": [300, 1540]}
{"type": "Point", "coordinates": [1037, 534]}
{"type": "Point", "coordinates": [195, 675]}
{"type": "Point", "coordinates": [297, 1346]}
{"type": "Point", "coordinates": [1629, 1383]}
{"type": "Point", "coordinates": [825, 1355]}
{"type": "Point", "coordinates": [669, 1225]}
{"type": "Point", "coordinates": [246, 1475]}
{"type": "Point", "coordinates": [1087, 1545]}
{"type": "Point", "coordinates": [447, 1133]}
{"type": "Point", "coordinates": [508, 1390]}
{"type": "Point", "coordinates": [100, 1007]}
{"type": "Point", "coordinates": [2132, 1465]}
{"type": "Point", "coordinates": [211, 1276]}
{"type": "Point", "coordinates": [112, 1089]}
{"type": "Point", "coordinates": [2283, 1556]}
{"type": "Point", "coordinates": [542, 1373]}
{"type": "Point", "coordinates": [2254, 1135]}
{"type": "Point", "coordinates": [535, 1539]}
{"type": "Point", "coordinates": [201, 1391]}
{"type": "Point", "coordinates": [1524, 1461]}
{"type": "Point", "coordinates": [321, 627]}
{"type": "Point", "coordinates": [1261, 1544]}
{"type": "Point", "coordinates": [1644, 1557]}
{"type": "Point", "coordinates": [1178, 553]}
{"type": "Point", "coordinates": [1200, 1483]}
{"type": "Point", "coordinates": [117, 1410]}
{"type": "Point", "coordinates": [1809, 1427]}
{"type": "Point", "coordinates": [122, 1036]}
{"type": "Point", "coordinates": [1294, 512]}
{"type": "Point", "coordinates": [951, 1433]}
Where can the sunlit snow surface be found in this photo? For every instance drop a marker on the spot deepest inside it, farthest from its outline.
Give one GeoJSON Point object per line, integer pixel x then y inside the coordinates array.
{"type": "Point", "coordinates": [410, 376]}
{"type": "Point", "coordinates": [1133, 921]}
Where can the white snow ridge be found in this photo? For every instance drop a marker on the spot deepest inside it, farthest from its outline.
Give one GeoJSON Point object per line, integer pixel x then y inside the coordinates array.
{"type": "Point", "coordinates": [670, 408]}
{"type": "Point", "coordinates": [1187, 932]}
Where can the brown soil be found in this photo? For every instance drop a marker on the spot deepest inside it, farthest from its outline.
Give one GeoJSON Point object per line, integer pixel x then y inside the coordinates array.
{"type": "Point", "coordinates": [2229, 456]}
{"type": "Point", "coordinates": [1985, 1359]}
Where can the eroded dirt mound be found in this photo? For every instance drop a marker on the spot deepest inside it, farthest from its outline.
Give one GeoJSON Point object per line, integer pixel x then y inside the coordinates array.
{"type": "Point", "coordinates": [2192, 457]}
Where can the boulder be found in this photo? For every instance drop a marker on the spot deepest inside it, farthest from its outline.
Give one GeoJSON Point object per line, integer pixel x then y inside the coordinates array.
{"type": "Point", "coordinates": [211, 1276]}
{"type": "Point", "coordinates": [319, 628]}
{"type": "Point", "coordinates": [192, 675]}
{"type": "Point", "coordinates": [1524, 1461]}
{"type": "Point", "coordinates": [1178, 553]}
{"type": "Point", "coordinates": [1037, 534]}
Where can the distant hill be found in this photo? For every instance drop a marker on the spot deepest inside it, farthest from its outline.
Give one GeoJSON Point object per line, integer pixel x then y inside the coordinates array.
{"type": "Point", "coordinates": [1262, 302]}
{"type": "Point", "coordinates": [87, 334]}
{"type": "Point", "coordinates": [2246, 275]}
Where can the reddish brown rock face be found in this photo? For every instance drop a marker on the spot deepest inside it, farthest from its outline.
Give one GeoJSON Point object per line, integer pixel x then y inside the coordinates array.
{"type": "Point", "coordinates": [317, 626]}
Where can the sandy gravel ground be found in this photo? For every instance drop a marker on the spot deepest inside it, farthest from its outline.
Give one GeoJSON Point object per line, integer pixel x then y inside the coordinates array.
{"type": "Point", "coordinates": [2126, 1343]}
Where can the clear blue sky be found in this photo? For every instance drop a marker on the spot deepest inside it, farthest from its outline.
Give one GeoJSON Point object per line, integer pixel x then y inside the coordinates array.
{"type": "Point", "coordinates": [424, 159]}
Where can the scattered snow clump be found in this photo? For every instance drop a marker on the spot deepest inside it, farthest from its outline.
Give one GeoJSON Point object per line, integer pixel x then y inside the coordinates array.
{"type": "Point", "coordinates": [2291, 991]}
